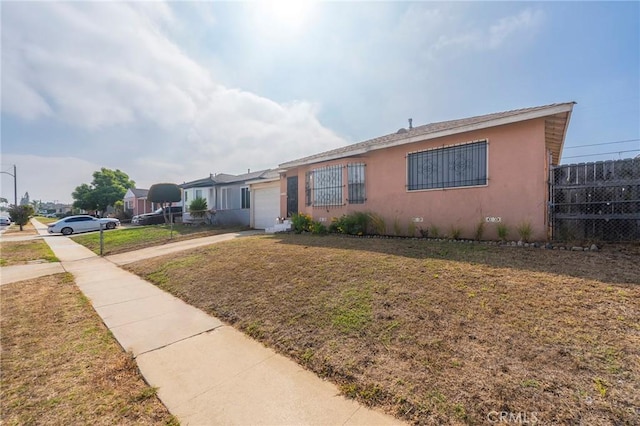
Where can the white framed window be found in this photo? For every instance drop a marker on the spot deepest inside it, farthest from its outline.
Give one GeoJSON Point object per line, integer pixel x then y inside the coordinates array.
{"type": "Point", "coordinates": [245, 198]}
{"type": "Point", "coordinates": [224, 198]}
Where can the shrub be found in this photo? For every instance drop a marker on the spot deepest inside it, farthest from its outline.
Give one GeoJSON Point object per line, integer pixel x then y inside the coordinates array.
{"type": "Point", "coordinates": [377, 224]}
{"type": "Point", "coordinates": [353, 224]}
{"type": "Point", "coordinates": [424, 233]}
{"type": "Point", "coordinates": [434, 231]}
{"type": "Point", "coordinates": [334, 225]}
{"type": "Point", "coordinates": [301, 222]}
{"type": "Point", "coordinates": [525, 230]}
{"type": "Point", "coordinates": [455, 232]}
{"type": "Point", "coordinates": [198, 207]}
{"type": "Point", "coordinates": [479, 230]}
{"type": "Point", "coordinates": [317, 228]}
{"type": "Point", "coordinates": [503, 231]}
{"type": "Point", "coordinates": [21, 214]}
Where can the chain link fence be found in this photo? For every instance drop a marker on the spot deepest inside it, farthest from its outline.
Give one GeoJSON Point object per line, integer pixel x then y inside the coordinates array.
{"type": "Point", "coordinates": [596, 201]}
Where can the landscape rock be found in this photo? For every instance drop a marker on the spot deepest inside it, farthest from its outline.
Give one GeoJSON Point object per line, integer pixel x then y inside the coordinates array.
{"type": "Point", "coordinates": [594, 247]}
{"type": "Point", "coordinates": [576, 248]}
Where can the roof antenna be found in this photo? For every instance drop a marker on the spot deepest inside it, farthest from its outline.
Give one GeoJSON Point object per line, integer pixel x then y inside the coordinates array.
{"type": "Point", "coordinates": [410, 123]}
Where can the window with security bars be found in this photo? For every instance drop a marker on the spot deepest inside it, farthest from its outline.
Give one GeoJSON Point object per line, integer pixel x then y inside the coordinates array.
{"type": "Point", "coordinates": [327, 186]}
{"type": "Point", "coordinates": [450, 167]}
{"type": "Point", "coordinates": [355, 176]}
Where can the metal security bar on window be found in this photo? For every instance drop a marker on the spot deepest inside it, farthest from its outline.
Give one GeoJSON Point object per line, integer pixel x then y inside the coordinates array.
{"type": "Point", "coordinates": [327, 186]}
{"type": "Point", "coordinates": [355, 175]}
{"type": "Point", "coordinates": [308, 177]}
{"type": "Point", "coordinates": [455, 166]}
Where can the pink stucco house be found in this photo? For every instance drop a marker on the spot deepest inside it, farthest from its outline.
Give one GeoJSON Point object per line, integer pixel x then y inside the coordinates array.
{"type": "Point", "coordinates": [454, 174]}
{"type": "Point", "coordinates": [135, 201]}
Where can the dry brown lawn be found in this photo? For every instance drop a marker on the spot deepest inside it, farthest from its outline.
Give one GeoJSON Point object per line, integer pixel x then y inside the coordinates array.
{"type": "Point", "coordinates": [14, 230]}
{"type": "Point", "coordinates": [60, 365]}
{"type": "Point", "coordinates": [434, 332]}
{"type": "Point", "coordinates": [21, 252]}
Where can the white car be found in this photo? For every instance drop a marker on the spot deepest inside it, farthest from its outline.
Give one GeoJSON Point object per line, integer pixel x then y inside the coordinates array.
{"type": "Point", "coordinates": [81, 223]}
{"type": "Point", "coordinates": [5, 221]}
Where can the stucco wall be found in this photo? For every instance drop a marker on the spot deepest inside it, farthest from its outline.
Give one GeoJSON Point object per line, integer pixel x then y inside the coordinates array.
{"type": "Point", "coordinates": [231, 217]}
{"type": "Point", "coordinates": [516, 190]}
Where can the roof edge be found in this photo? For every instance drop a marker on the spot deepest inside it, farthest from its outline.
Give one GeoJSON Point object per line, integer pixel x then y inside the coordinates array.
{"type": "Point", "coordinates": [501, 121]}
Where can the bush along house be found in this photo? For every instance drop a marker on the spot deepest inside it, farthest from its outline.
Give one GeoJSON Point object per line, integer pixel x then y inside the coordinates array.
{"type": "Point", "coordinates": [484, 176]}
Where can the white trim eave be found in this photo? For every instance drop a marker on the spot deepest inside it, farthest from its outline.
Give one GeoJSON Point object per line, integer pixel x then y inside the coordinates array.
{"type": "Point", "coordinates": [531, 115]}
{"type": "Point", "coordinates": [564, 135]}
{"type": "Point", "coordinates": [273, 179]}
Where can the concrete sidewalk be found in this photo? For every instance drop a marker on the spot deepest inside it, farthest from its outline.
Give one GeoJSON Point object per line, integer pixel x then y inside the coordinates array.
{"type": "Point", "coordinates": [206, 372]}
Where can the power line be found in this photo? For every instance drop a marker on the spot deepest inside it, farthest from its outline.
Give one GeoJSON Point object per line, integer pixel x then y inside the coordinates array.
{"type": "Point", "coordinates": [602, 153]}
{"type": "Point", "coordinates": [603, 143]}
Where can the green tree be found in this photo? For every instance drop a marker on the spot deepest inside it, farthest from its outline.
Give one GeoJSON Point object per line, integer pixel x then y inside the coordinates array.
{"type": "Point", "coordinates": [83, 198]}
{"type": "Point", "coordinates": [164, 193]}
{"type": "Point", "coordinates": [107, 187]}
{"type": "Point", "coordinates": [21, 214]}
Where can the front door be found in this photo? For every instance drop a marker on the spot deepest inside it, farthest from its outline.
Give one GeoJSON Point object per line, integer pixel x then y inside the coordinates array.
{"type": "Point", "coordinates": [292, 195]}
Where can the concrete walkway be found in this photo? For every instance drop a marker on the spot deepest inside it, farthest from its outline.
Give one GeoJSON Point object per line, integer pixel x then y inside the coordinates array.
{"type": "Point", "coordinates": [206, 372]}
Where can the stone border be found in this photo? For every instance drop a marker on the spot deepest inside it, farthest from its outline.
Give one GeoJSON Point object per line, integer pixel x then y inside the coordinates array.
{"type": "Point", "coordinates": [546, 246]}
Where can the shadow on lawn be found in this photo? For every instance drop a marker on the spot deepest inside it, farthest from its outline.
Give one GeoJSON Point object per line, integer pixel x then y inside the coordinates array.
{"type": "Point", "coordinates": [611, 266]}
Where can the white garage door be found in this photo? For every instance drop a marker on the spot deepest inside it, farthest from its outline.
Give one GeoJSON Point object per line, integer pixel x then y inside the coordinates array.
{"type": "Point", "coordinates": [266, 206]}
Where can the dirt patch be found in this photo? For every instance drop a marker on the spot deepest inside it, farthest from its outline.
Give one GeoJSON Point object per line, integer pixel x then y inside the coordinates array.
{"type": "Point", "coordinates": [60, 365]}
{"type": "Point", "coordinates": [436, 333]}
{"type": "Point", "coordinates": [14, 230]}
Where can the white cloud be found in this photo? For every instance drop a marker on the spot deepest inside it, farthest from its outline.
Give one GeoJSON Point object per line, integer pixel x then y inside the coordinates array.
{"type": "Point", "coordinates": [98, 66]}
{"type": "Point", "coordinates": [507, 30]}
{"type": "Point", "coordinates": [525, 21]}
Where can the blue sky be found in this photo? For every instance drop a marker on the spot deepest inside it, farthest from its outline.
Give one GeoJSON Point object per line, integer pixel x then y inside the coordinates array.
{"type": "Point", "coordinates": [175, 91]}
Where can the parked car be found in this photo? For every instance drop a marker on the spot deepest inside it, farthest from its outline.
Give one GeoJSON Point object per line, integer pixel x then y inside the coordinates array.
{"type": "Point", "coordinates": [157, 216]}
{"type": "Point", "coordinates": [5, 221]}
{"type": "Point", "coordinates": [81, 223]}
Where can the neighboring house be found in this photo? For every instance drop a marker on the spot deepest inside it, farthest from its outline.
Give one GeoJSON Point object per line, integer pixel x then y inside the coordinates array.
{"type": "Point", "coordinates": [135, 202]}
{"type": "Point", "coordinates": [265, 200]}
{"type": "Point", "coordinates": [451, 174]}
{"type": "Point", "coordinates": [229, 196]}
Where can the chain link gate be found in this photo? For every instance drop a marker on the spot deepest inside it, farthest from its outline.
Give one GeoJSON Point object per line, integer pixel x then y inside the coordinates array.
{"type": "Point", "coordinates": [597, 201]}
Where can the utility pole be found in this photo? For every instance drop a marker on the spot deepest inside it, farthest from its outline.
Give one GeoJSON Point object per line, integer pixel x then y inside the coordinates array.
{"type": "Point", "coordinates": [15, 185]}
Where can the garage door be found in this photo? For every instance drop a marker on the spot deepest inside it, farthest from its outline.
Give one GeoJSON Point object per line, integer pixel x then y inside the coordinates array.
{"type": "Point", "coordinates": [266, 206]}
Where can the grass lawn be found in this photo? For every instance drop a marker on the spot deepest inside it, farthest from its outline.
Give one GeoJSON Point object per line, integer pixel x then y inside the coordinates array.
{"type": "Point", "coordinates": [21, 252]}
{"type": "Point", "coordinates": [138, 237]}
{"type": "Point", "coordinates": [46, 220]}
{"type": "Point", "coordinates": [433, 332]}
{"type": "Point", "coordinates": [60, 365]}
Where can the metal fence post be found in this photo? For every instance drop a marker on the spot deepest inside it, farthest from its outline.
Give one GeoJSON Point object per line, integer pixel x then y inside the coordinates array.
{"type": "Point", "coordinates": [101, 238]}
